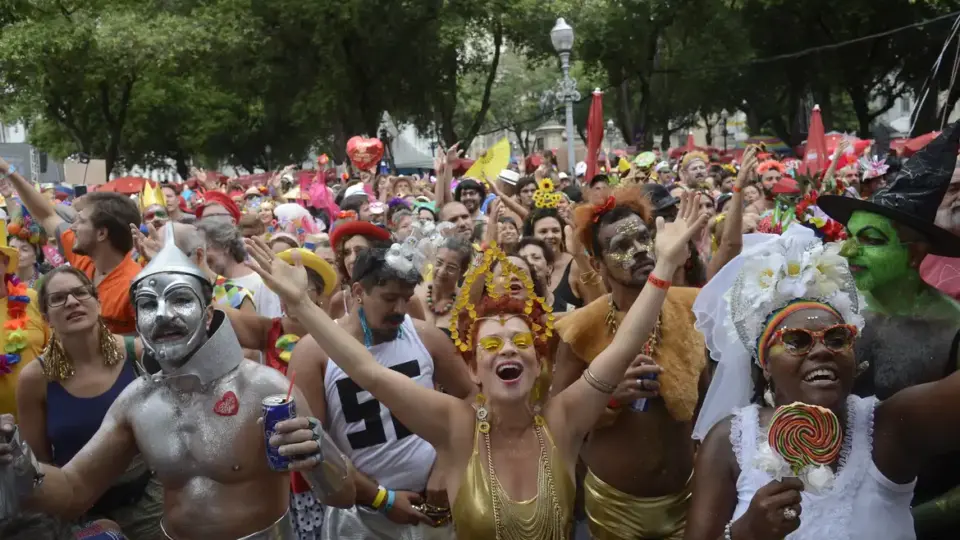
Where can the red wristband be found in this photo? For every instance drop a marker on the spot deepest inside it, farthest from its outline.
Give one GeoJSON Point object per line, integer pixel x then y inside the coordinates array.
{"type": "Point", "coordinates": [736, 189]}
{"type": "Point", "coordinates": [613, 404]}
{"type": "Point", "coordinates": [657, 282]}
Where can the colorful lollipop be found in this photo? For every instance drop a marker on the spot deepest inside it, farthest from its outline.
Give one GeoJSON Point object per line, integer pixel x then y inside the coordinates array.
{"type": "Point", "coordinates": [805, 435]}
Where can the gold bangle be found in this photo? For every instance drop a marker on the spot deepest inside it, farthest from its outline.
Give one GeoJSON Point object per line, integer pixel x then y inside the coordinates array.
{"type": "Point", "coordinates": [596, 383]}
{"type": "Point", "coordinates": [590, 277]}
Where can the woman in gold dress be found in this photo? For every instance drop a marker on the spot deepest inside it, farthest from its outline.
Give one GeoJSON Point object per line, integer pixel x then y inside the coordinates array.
{"type": "Point", "coordinates": [508, 457]}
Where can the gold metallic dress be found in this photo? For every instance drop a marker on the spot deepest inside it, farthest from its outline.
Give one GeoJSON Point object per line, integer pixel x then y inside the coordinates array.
{"type": "Point", "coordinates": [484, 511]}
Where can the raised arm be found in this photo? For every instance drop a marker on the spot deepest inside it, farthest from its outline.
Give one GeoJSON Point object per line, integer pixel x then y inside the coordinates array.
{"type": "Point", "coordinates": [450, 371]}
{"type": "Point", "coordinates": [577, 408]}
{"type": "Point", "coordinates": [511, 204]}
{"type": "Point", "coordinates": [917, 423]}
{"type": "Point", "coordinates": [426, 412]}
{"type": "Point", "coordinates": [441, 190]}
{"type": "Point", "coordinates": [732, 242]}
{"type": "Point", "coordinates": [35, 202]}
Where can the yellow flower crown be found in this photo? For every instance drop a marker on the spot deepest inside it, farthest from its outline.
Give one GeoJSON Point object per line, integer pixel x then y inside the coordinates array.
{"type": "Point", "coordinates": [545, 196]}
{"type": "Point", "coordinates": [494, 255]}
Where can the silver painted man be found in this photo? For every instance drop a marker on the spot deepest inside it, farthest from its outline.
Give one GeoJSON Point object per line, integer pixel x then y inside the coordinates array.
{"type": "Point", "coordinates": [195, 423]}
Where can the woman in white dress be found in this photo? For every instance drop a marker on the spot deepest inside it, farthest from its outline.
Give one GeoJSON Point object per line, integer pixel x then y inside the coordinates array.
{"type": "Point", "coordinates": [787, 309]}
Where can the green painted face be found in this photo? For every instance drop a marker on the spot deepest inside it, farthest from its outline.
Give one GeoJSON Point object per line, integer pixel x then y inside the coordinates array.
{"type": "Point", "coordinates": [877, 256]}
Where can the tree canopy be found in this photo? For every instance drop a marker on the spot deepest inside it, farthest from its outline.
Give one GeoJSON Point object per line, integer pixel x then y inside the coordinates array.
{"type": "Point", "coordinates": [260, 84]}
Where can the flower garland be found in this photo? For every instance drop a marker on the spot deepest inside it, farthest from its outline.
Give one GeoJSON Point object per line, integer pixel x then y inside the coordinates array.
{"type": "Point", "coordinates": [16, 324]}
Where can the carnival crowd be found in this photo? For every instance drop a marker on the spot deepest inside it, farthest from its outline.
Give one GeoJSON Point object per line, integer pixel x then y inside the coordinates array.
{"type": "Point", "coordinates": [671, 348]}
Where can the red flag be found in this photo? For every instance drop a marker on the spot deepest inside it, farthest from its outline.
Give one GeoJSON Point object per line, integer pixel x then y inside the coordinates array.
{"type": "Point", "coordinates": [815, 156]}
{"type": "Point", "coordinates": [594, 133]}
{"type": "Point", "coordinates": [691, 146]}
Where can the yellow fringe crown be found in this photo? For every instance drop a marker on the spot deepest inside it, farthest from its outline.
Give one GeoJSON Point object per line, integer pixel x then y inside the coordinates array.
{"type": "Point", "coordinates": [494, 255]}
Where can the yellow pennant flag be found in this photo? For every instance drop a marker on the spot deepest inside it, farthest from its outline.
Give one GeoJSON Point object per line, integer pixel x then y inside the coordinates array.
{"type": "Point", "coordinates": [491, 162]}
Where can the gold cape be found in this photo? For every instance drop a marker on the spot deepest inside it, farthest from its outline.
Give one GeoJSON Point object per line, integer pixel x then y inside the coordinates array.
{"type": "Point", "coordinates": [682, 352]}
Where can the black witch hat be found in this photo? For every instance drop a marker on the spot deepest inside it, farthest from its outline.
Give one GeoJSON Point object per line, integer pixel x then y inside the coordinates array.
{"type": "Point", "coordinates": [914, 195]}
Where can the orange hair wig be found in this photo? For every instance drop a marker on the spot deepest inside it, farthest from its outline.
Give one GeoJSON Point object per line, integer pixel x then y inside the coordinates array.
{"type": "Point", "coordinates": [587, 218]}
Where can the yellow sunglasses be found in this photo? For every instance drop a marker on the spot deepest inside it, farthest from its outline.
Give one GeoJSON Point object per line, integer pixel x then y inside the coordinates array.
{"type": "Point", "coordinates": [523, 340]}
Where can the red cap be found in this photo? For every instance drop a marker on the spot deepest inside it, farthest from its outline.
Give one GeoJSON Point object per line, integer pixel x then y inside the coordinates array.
{"type": "Point", "coordinates": [216, 197]}
{"type": "Point", "coordinates": [354, 228]}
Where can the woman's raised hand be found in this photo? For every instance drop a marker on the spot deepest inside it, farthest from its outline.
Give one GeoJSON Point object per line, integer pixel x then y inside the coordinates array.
{"type": "Point", "coordinates": [288, 281]}
{"type": "Point", "coordinates": [673, 239]}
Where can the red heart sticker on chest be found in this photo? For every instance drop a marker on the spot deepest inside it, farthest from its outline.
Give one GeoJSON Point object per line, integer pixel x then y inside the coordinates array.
{"type": "Point", "coordinates": [228, 405]}
{"type": "Point", "coordinates": [364, 153]}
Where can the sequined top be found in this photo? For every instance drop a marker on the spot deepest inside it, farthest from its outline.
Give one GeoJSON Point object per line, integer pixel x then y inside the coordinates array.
{"type": "Point", "coordinates": [474, 512]}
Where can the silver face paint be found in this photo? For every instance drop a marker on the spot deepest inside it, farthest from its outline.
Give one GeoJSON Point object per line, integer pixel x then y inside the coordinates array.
{"type": "Point", "coordinates": [171, 317]}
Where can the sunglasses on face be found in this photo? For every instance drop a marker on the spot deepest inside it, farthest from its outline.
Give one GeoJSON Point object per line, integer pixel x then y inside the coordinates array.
{"type": "Point", "coordinates": [495, 343]}
{"type": "Point", "coordinates": [799, 341]}
{"type": "Point", "coordinates": [58, 299]}
{"type": "Point", "coordinates": [158, 214]}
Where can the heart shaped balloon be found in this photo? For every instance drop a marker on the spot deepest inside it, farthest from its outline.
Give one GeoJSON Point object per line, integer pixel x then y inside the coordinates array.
{"type": "Point", "coordinates": [365, 154]}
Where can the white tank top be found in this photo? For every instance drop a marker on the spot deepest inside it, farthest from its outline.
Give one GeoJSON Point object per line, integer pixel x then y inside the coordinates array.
{"type": "Point", "coordinates": [863, 503]}
{"type": "Point", "coordinates": [377, 443]}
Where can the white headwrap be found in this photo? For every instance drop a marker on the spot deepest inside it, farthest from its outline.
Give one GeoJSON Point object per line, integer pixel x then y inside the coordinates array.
{"type": "Point", "coordinates": [732, 308]}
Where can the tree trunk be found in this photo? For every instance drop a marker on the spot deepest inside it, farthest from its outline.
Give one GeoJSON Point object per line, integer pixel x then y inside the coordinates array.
{"type": "Point", "coordinates": [183, 168]}
{"type": "Point", "coordinates": [858, 98]}
{"type": "Point", "coordinates": [488, 87]}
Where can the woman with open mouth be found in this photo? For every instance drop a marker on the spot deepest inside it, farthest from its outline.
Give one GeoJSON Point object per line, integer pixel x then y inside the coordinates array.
{"type": "Point", "coordinates": [843, 466]}
{"type": "Point", "coordinates": [508, 456]}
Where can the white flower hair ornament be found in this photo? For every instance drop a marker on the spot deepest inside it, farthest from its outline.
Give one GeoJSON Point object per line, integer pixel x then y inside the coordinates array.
{"type": "Point", "coordinates": [412, 254]}
{"type": "Point", "coordinates": [742, 306]}
{"type": "Point", "coordinates": [795, 271]}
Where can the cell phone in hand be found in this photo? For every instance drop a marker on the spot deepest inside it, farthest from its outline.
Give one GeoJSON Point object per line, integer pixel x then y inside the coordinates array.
{"type": "Point", "coordinates": [79, 191]}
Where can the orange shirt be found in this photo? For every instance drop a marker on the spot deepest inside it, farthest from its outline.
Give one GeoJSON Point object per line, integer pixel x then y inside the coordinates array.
{"type": "Point", "coordinates": [114, 290]}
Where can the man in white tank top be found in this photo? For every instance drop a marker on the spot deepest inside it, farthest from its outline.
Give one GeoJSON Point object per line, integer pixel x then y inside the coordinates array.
{"type": "Point", "coordinates": [393, 465]}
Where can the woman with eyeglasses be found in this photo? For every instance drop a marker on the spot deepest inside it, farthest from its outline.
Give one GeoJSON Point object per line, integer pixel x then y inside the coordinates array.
{"type": "Point", "coordinates": [807, 460]}
{"type": "Point", "coordinates": [63, 397]}
{"type": "Point", "coordinates": [453, 259]}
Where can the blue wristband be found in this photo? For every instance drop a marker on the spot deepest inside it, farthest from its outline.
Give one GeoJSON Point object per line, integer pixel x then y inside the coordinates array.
{"type": "Point", "coordinates": [391, 498]}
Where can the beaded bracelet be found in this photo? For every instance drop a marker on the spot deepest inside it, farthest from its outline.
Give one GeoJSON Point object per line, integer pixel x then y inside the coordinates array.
{"type": "Point", "coordinates": [727, 535]}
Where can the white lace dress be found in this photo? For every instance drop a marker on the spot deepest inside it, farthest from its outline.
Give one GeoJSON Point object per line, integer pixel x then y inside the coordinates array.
{"type": "Point", "coordinates": [862, 505]}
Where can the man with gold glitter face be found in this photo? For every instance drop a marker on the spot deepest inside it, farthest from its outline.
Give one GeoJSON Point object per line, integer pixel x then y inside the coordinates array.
{"type": "Point", "coordinates": [632, 493]}
{"type": "Point", "coordinates": [195, 423]}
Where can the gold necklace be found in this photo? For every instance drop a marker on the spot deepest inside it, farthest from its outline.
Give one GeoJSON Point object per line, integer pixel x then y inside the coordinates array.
{"type": "Point", "coordinates": [653, 342]}
{"type": "Point", "coordinates": [547, 519]}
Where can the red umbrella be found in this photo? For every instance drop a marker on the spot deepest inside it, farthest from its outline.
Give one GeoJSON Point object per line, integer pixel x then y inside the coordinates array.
{"type": "Point", "coordinates": [815, 157]}
{"type": "Point", "coordinates": [127, 185]}
{"type": "Point", "coordinates": [915, 144]}
{"type": "Point", "coordinates": [594, 133]}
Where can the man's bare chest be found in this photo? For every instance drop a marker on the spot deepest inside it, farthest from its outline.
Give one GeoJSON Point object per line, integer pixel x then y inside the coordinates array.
{"type": "Point", "coordinates": [212, 434]}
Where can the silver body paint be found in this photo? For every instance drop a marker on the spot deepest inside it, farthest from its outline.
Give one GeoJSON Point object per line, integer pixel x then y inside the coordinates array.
{"type": "Point", "coordinates": [209, 463]}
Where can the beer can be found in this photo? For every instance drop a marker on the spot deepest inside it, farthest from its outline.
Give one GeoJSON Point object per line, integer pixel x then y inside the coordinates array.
{"type": "Point", "coordinates": [276, 408]}
{"type": "Point", "coordinates": [643, 404]}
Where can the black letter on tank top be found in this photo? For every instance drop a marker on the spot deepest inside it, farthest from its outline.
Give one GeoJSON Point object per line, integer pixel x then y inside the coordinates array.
{"type": "Point", "coordinates": [368, 412]}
